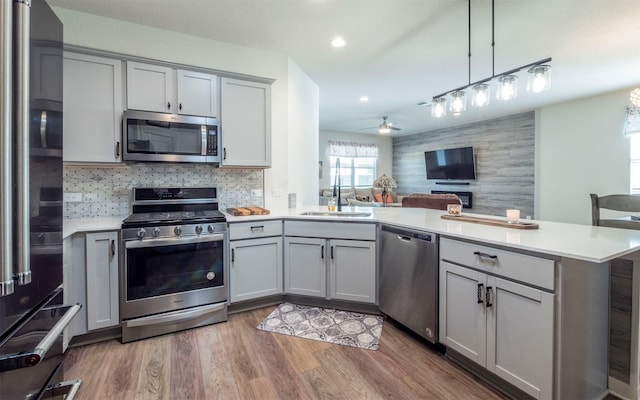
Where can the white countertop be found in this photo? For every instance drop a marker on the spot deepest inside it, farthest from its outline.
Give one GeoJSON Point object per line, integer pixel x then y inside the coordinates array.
{"type": "Point", "coordinates": [71, 226]}
{"type": "Point", "coordinates": [582, 242]}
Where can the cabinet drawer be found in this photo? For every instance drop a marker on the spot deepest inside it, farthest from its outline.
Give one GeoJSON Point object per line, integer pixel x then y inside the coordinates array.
{"type": "Point", "coordinates": [331, 230]}
{"type": "Point", "coordinates": [255, 229]}
{"type": "Point", "coordinates": [520, 267]}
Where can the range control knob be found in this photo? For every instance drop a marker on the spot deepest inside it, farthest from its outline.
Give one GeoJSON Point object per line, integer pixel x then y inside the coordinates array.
{"type": "Point", "coordinates": [210, 228]}
{"type": "Point", "coordinates": [156, 232]}
{"type": "Point", "coordinates": [141, 233]}
{"type": "Point", "coordinates": [177, 230]}
{"type": "Point", "coordinates": [198, 229]}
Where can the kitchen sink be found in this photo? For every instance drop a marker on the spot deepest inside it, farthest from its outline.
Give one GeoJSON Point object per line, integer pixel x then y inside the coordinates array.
{"type": "Point", "coordinates": [353, 214]}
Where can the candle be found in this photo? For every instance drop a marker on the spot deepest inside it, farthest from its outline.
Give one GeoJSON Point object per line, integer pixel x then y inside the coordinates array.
{"type": "Point", "coordinates": [513, 216]}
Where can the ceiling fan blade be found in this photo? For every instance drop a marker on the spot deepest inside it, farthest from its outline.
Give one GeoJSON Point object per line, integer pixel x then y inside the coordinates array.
{"type": "Point", "coordinates": [394, 128]}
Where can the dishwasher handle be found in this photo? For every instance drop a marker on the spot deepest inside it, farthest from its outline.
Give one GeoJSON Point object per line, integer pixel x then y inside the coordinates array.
{"type": "Point", "coordinates": [407, 235]}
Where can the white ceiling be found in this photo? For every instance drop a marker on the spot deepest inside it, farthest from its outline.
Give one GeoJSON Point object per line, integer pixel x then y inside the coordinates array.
{"type": "Point", "coordinates": [402, 52]}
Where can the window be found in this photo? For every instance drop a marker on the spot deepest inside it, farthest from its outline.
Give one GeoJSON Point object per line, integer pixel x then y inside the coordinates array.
{"type": "Point", "coordinates": [357, 163]}
{"type": "Point", "coordinates": [635, 163]}
{"type": "Point", "coordinates": [354, 171]}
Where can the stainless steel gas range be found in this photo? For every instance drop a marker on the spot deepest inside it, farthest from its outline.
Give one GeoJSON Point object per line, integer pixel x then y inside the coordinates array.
{"type": "Point", "coordinates": [174, 267]}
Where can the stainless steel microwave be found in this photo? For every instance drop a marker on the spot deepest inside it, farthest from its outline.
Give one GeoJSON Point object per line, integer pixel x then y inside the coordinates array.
{"type": "Point", "coordinates": [159, 137]}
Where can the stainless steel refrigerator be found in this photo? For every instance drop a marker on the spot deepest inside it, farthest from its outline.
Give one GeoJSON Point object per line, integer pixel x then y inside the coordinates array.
{"type": "Point", "coordinates": [32, 316]}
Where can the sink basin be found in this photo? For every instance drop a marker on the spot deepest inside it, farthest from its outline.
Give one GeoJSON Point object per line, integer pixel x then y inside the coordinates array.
{"type": "Point", "coordinates": [353, 214]}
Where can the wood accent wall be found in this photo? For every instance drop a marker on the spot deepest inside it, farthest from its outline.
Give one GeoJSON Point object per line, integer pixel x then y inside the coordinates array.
{"type": "Point", "coordinates": [505, 161]}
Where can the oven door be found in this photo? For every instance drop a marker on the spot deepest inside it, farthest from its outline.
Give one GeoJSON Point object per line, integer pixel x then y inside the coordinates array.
{"type": "Point", "coordinates": [168, 274]}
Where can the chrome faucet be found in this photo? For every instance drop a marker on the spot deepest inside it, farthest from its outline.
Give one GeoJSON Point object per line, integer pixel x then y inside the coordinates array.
{"type": "Point", "coordinates": [337, 186]}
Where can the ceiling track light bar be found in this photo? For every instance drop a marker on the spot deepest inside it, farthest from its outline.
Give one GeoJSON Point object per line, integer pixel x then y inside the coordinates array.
{"type": "Point", "coordinates": [509, 72]}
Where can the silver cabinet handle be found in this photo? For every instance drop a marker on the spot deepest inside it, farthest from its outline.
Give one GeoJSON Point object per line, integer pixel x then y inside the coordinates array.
{"type": "Point", "coordinates": [485, 255]}
{"type": "Point", "coordinates": [22, 11]}
{"type": "Point", "coordinates": [257, 228]}
{"type": "Point", "coordinates": [6, 163]}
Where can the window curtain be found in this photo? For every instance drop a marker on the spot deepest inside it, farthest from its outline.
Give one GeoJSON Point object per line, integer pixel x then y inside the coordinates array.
{"type": "Point", "coordinates": [632, 121]}
{"type": "Point", "coordinates": [351, 149]}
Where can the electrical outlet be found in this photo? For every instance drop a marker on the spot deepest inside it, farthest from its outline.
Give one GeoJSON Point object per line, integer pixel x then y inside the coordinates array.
{"type": "Point", "coordinates": [73, 197]}
{"type": "Point", "coordinates": [277, 192]}
{"type": "Point", "coordinates": [256, 193]}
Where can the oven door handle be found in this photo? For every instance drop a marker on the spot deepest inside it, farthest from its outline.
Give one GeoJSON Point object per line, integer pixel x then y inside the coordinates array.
{"type": "Point", "coordinates": [139, 244]}
{"type": "Point", "coordinates": [175, 316]}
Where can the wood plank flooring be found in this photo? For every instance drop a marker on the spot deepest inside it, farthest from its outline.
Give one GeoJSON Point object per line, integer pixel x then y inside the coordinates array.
{"type": "Point", "coordinates": [234, 360]}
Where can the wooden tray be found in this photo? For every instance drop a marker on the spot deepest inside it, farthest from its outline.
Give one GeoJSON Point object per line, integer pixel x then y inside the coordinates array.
{"type": "Point", "coordinates": [243, 211]}
{"type": "Point", "coordinates": [491, 221]}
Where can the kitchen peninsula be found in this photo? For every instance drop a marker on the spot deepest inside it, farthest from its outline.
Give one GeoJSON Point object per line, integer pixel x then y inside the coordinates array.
{"type": "Point", "coordinates": [554, 282]}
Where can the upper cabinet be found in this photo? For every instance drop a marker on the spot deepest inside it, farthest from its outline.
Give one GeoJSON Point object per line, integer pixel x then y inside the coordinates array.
{"type": "Point", "coordinates": [92, 108]}
{"type": "Point", "coordinates": [163, 89]}
{"type": "Point", "coordinates": [245, 114]}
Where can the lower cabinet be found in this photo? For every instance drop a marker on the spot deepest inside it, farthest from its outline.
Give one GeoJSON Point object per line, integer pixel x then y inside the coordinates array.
{"type": "Point", "coordinates": [340, 269]}
{"type": "Point", "coordinates": [256, 260]}
{"type": "Point", "coordinates": [102, 280]}
{"type": "Point", "coordinates": [502, 325]}
{"type": "Point", "coordinates": [91, 279]}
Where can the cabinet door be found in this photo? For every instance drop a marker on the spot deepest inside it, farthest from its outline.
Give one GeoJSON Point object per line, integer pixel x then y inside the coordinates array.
{"type": "Point", "coordinates": [304, 265]}
{"type": "Point", "coordinates": [520, 336]}
{"type": "Point", "coordinates": [245, 113]}
{"type": "Point", "coordinates": [197, 93]}
{"type": "Point", "coordinates": [462, 311]}
{"type": "Point", "coordinates": [353, 270]}
{"type": "Point", "coordinates": [256, 268]}
{"type": "Point", "coordinates": [92, 108]}
{"type": "Point", "coordinates": [46, 62]}
{"type": "Point", "coordinates": [151, 88]}
{"type": "Point", "coordinates": [102, 280]}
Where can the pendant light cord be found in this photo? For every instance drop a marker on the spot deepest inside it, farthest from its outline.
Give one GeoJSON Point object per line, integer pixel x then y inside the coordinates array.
{"type": "Point", "coordinates": [493, 39]}
{"type": "Point", "coordinates": [469, 52]}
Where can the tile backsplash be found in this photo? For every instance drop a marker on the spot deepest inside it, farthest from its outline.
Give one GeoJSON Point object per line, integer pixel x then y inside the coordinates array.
{"type": "Point", "coordinates": [106, 191]}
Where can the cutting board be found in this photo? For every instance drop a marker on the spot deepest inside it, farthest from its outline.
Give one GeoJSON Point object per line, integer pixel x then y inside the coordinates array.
{"type": "Point", "coordinates": [491, 221]}
{"type": "Point", "coordinates": [244, 211]}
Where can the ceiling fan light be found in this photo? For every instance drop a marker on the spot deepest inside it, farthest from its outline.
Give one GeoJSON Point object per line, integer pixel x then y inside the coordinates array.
{"type": "Point", "coordinates": [507, 87]}
{"type": "Point", "coordinates": [481, 95]}
{"type": "Point", "coordinates": [539, 78]}
{"type": "Point", "coordinates": [439, 107]}
{"type": "Point", "coordinates": [458, 102]}
{"type": "Point", "coordinates": [635, 97]}
{"type": "Point", "coordinates": [384, 129]}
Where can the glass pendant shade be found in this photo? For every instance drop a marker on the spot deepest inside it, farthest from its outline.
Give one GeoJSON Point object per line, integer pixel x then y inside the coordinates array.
{"type": "Point", "coordinates": [458, 102]}
{"type": "Point", "coordinates": [539, 78]}
{"type": "Point", "coordinates": [481, 95]}
{"type": "Point", "coordinates": [635, 97]}
{"type": "Point", "coordinates": [439, 107]}
{"type": "Point", "coordinates": [507, 87]}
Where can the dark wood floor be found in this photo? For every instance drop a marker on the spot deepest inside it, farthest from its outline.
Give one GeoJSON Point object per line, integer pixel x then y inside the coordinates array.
{"type": "Point", "coordinates": [234, 360]}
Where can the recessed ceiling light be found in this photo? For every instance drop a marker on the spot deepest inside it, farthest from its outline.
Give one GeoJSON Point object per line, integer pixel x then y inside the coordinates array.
{"type": "Point", "coordinates": [338, 42]}
{"type": "Point", "coordinates": [364, 99]}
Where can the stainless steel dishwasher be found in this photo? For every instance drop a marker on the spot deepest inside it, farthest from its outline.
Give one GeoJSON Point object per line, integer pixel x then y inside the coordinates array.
{"type": "Point", "coordinates": [408, 290]}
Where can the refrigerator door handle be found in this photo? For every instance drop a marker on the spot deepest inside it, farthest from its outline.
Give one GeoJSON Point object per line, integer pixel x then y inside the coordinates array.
{"type": "Point", "coordinates": [33, 357]}
{"type": "Point", "coordinates": [22, 12]}
{"type": "Point", "coordinates": [6, 169]}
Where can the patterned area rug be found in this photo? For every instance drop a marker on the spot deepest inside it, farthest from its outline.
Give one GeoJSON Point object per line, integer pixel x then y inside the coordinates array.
{"type": "Point", "coordinates": [327, 325]}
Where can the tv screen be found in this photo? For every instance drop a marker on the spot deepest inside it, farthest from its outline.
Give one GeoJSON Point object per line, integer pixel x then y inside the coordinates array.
{"type": "Point", "coordinates": [450, 164]}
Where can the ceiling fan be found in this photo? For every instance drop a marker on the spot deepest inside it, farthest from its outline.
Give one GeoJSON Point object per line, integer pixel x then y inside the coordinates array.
{"type": "Point", "coordinates": [385, 126]}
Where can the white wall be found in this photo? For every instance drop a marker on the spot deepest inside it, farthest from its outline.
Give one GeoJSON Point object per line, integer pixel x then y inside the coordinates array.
{"type": "Point", "coordinates": [107, 34]}
{"type": "Point", "coordinates": [580, 149]}
{"type": "Point", "coordinates": [383, 165]}
{"type": "Point", "coordinates": [303, 141]}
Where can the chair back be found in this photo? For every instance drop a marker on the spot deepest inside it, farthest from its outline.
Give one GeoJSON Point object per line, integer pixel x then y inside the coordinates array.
{"type": "Point", "coordinates": [616, 202]}
{"type": "Point", "coordinates": [434, 201]}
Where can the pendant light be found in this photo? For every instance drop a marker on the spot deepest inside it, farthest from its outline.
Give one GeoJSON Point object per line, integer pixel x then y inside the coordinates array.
{"type": "Point", "coordinates": [539, 74]}
{"type": "Point", "coordinates": [634, 96]}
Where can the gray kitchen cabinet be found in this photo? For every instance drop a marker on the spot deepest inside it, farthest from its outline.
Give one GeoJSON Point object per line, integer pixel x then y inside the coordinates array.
{"type": "Point", "coordinates": [92, 109]}
{"type": "Point", "coordinates": [256, 260]}
{"type": "Point", "coordinates": [245, 115]}
{"type": "Point", "coordinates": [163, 89]}
{"type": "Point", "coordinates": [331, 260]}
{"type": "Point", "coordinates": [102, 280]}
{"type": "Point", "coordinates": [482, 303]}
{"type": "Point", "coordinates": [75, 284]}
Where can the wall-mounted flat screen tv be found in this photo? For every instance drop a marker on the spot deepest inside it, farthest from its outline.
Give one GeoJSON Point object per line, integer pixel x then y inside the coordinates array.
{"type": "Point", "coordinates": [450, 164]}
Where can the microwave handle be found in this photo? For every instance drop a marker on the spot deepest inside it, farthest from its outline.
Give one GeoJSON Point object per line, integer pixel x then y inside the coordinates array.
{"type": "Point", "coordinates": [203, 136]}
